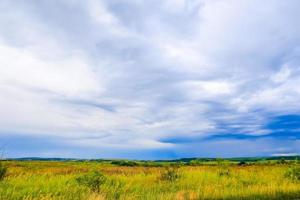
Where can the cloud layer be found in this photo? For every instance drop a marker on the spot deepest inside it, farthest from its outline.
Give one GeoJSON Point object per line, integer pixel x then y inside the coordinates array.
{"type": "Point", "coordinates": [160, 77]}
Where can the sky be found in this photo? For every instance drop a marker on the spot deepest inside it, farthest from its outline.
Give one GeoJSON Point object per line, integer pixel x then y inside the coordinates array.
{"type": "Point", "coordinates": [149, 79]}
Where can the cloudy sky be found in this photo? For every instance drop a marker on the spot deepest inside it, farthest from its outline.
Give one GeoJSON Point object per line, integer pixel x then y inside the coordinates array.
{"type": "Point", "coordinates": [149, 79]}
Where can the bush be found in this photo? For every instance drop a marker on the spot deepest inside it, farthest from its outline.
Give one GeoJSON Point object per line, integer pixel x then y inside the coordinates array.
{"type": "Point", "coordinates": [222, 162]}
{"type": "Point", "coordinates": [124, 163]}
{"type": "Point", "coordinates": [293, 173]}
{"type": "Point", "coordinates": [3, 171]}
{"type": "Point", "coordinates": [242, 163]}
{"type": "Point", "coordinates": [224, 172]}
{"type": "Point", "coordinates": [282, 161]}
{"type": "Point", "coordinates": [170, 174]}
{"type": "Point", "coordinates": [92, 180]}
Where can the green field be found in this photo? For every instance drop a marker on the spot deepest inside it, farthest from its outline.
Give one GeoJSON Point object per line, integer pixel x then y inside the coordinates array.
{"type": "Point", "coordinates": [219, 179]}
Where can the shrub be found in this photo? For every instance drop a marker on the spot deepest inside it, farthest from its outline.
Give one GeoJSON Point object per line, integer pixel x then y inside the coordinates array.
{"type": "Point", "coordinates": [222, 162]}
{"type": "Point", "coordinates": [124, 163]}
{"type": "Point", "coordinates": [293, 173]}
{"type": "Point", "coordinates": [282, 161]}
{"type": "Point", "coordinates": [170, 174]}
{"type": "Point", "coordinates": [194, 162]}
{"type": "Point", "coordinates": [224, 172]}
{"type": "Point", "coordinates": [92, 180]}
{"type": "Point", "coordinates": [3, 171]}
{"type": "Point", "coordinates": [242, 163]}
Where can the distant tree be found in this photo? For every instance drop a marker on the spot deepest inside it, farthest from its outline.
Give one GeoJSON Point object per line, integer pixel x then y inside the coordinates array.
{"type": "Point", "coordinates": [124, 163]}
{"type": "Point", "coordinates": [242, 163]}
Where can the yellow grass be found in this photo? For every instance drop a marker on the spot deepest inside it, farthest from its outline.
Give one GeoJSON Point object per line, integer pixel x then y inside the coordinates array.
{"type": "Point", "coordinates": [56, 180]}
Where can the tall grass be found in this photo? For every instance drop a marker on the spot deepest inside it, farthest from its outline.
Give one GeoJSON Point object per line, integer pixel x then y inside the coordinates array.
{"type": "Point", "coordinates": [3, 170]}
{"type": "Point", "coordinates": [59, 180]}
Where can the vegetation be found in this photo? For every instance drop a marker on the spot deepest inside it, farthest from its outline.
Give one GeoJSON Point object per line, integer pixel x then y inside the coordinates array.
{"type": "Point", "coordinates": [186, 179]}
{"type": "Point", "coordinates": [92, 180]}
{"type": "Point", "coordinates": [124, 163]}
{"type": "Point", "coordinates": [170, 174]}
{"type": "Point", "coordinates": [224, 172]}
{"type": "Point", "coordinates": [3, 171]}
{"type": "Point", "coordinates": [293, 173]}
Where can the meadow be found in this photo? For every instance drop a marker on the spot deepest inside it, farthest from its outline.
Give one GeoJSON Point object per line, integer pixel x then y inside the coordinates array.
{"type": "Point", "coordinates": [97, 180]}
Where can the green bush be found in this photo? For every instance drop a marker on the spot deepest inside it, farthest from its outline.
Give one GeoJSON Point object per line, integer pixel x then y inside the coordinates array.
{"type": "Point", "coordinates": [93, 180]}
{"type": "Point", "coordinates": [282, 161]}
{"type": "Point", "coordinates": [242, 163]}
{"type": "Point", "coordinates": [124, 163]}
{"type": "Point", "coordinates": [3, 171]}
{"type": "Point", "coordinates": [293, 173]}
{"type": "Point", "coordinates": [170, 174]}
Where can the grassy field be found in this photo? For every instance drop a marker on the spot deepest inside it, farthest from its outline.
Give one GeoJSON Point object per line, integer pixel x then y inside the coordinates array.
{"type": "Point", "coordinates": [45, 180]}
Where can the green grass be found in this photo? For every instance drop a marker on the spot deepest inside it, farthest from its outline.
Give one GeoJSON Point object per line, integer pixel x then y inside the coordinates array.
{"type": "Point", "coordinates": [57, 180]}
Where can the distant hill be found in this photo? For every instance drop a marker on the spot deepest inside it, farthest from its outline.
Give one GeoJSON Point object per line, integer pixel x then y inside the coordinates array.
{"type": "Point", "coordinates": [184, 160]}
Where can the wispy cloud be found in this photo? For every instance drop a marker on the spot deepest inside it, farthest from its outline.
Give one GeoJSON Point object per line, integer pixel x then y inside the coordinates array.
{"type": "Point", "coordinates": [150, 75]}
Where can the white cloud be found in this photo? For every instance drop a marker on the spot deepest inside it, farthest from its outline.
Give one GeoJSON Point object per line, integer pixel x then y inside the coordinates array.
{"type": "Point", "coordinates": [69, 76]}
{"type": "Point", "coordinates": [282, 75]}
{"type": "Point", "coordinates": [207, 89]}
{"type": "Point", "coordinates": [133, 73]}
{"type": "Point", "coordinates": [285, 154]}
